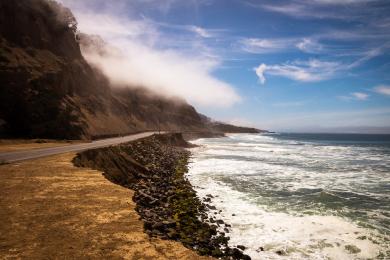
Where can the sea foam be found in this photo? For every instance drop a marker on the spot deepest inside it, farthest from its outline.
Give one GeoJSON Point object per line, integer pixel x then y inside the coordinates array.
{"type": "Point", "coordinates": [280, 197]}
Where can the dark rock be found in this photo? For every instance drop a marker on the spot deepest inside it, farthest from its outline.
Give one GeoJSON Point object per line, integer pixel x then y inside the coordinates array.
{"type": "Point", "coordinates": [156, 232]}
{"type": "Point", "coordinates": [236, 254]}
{"type": "Point", "coordinates": [246, 257]}
{"type": "Point", "coordinates": [211, 207]}
{"type": "Point", "coordinates": [169, 223]}
{"type": "Point", "coordinates": [157, 225]}
{"type": "Point", "coordinates": [241, 247]}
{"type": "Point", "coordinates": [260, 249]}
{"type": "Point", "coordinates": [172, 233]}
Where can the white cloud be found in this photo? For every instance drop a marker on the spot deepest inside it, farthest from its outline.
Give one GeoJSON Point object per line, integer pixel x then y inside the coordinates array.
{"type": "Point", "coordinates": [303, 11]}
{"type": "Point", "coordinates": [323, 9]}
{"type": "Point", "coordinates": [257, 45]}
{"type": "Point", "coordinates": [368, 55]}
{"type": "Point", "coordinates": [315, 70]}
{"type": "Point", "coordinates": [271, 45]}
{"type": "Point", "coordinates": [115, 28]}
{"type": "Point", "coordinates": [305, 71]}
{"type": "Point", "coordinates": [309, 45]}
{"type": "Point", "coordinates": [166, 73]}
{"type": "Point", "coordinates": [360, 95]}
{"type": "Point", "coordinates": [201, 31]}
{"type": "Point", "coordinates": [383, 89]}
{"type": "Point", "coordinates": [260, 72]}
{"type": "Point", "coordinates": [139, 60]}
{"type": "Point", "coordinates": [134, 6]}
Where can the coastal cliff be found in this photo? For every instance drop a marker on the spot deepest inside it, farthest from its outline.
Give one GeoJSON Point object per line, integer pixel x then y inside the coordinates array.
{"type": "Point", "coordinates": [48, 89]}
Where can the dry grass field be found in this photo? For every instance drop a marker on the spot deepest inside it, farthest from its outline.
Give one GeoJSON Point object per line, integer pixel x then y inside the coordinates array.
{"type": "Point", "coordinates": [51, 209]}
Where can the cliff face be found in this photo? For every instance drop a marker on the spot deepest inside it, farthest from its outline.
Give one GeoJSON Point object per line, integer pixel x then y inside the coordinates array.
{"type": "Point", "coordinates": [47, 89]}
{"type": "Point", "coordinates": [40, 66]}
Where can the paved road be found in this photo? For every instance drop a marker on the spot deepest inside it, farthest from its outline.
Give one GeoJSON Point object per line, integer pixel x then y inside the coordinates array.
{"type": "Point", "coordinates": [36, 153]}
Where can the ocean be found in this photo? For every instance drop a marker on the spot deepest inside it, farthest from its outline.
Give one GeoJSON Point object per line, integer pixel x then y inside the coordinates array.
{"type": "Point", "coordinates": [299, 196]}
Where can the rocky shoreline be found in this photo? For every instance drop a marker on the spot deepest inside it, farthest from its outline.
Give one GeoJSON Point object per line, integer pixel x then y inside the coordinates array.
{"type": "Point", "coordinates": [155, 167]}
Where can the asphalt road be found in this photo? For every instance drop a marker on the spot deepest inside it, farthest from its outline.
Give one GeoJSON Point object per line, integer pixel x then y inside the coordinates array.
{"type": "Point", "coordinates": [36, 153]}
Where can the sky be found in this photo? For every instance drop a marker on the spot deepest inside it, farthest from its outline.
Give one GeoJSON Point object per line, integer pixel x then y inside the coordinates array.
{"type": "Point", "coordinates": [291, 66]}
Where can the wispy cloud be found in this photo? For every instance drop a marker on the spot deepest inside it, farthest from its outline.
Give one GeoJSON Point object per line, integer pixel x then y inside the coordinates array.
{"type": "Point", "coordinates": [368, 55]}
{"type": "Point", "coordinates": [360, 96]}
{"type": "Point", "coordinates": [260, 72]}
{"type": "Point", "coordinates": [272, 45]}
{"type": "Point", "coordinates": [115, 28]}
{"type": "Point", "coordinates": [383, 89]}
{"type": "Point", "coordinates": [201, 31]}
{"type": "Point", "coordinates": [367, 43]}
{"type": "Point", "coordinates": [258, 45]}
{"type": "Point", "coordinates": [299, 10]}
{"type": "Point", "coordinates": [309, 45]}
{"type": "Point", "coordinates": [315, 70]}
{"type": "Point", "coordinates": [197, 30]}
{"type": "Point", "coordinates": [134, 6]}
{"type": "Point", "coordinates": [305, 71]}
{"type": "Point", "coordinates": [325, 9]}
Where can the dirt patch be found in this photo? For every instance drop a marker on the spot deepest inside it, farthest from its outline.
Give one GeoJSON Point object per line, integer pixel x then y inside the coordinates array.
{"type": "Point", "coordinates": [53, 210]}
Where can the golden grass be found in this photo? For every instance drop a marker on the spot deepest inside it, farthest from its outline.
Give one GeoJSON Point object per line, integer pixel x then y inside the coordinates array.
{"type": "Point", "coordinates": [53, 210]}
{"type": "Point", "coordinates": [13, 145]}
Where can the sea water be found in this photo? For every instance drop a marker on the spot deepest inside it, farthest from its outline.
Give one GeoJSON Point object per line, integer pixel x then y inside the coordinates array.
{"type": "Point", "coordinates": [299, 196]}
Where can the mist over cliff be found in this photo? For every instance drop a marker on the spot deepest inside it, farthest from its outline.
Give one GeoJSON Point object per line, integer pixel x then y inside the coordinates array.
{"type": "Point", "coordinates": [48, 89]}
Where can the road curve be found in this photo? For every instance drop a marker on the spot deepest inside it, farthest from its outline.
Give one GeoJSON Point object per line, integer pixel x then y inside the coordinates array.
{"type": "Point", "coordinates": [36, 153]}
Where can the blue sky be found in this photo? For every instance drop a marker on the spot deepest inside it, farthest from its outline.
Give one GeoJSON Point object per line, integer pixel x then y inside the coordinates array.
{"type": "Point", "coordinates": [299, 65]}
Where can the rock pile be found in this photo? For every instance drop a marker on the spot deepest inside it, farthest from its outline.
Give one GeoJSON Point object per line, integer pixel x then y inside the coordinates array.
{"type": "Point", "coordinates": [155, 169]}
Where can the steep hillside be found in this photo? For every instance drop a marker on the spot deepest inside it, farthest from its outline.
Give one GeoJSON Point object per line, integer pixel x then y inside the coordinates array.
{"type": "Point", "coordinates": [220, 127]}
{"type": "Point", "coordinates": [47, 89]}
